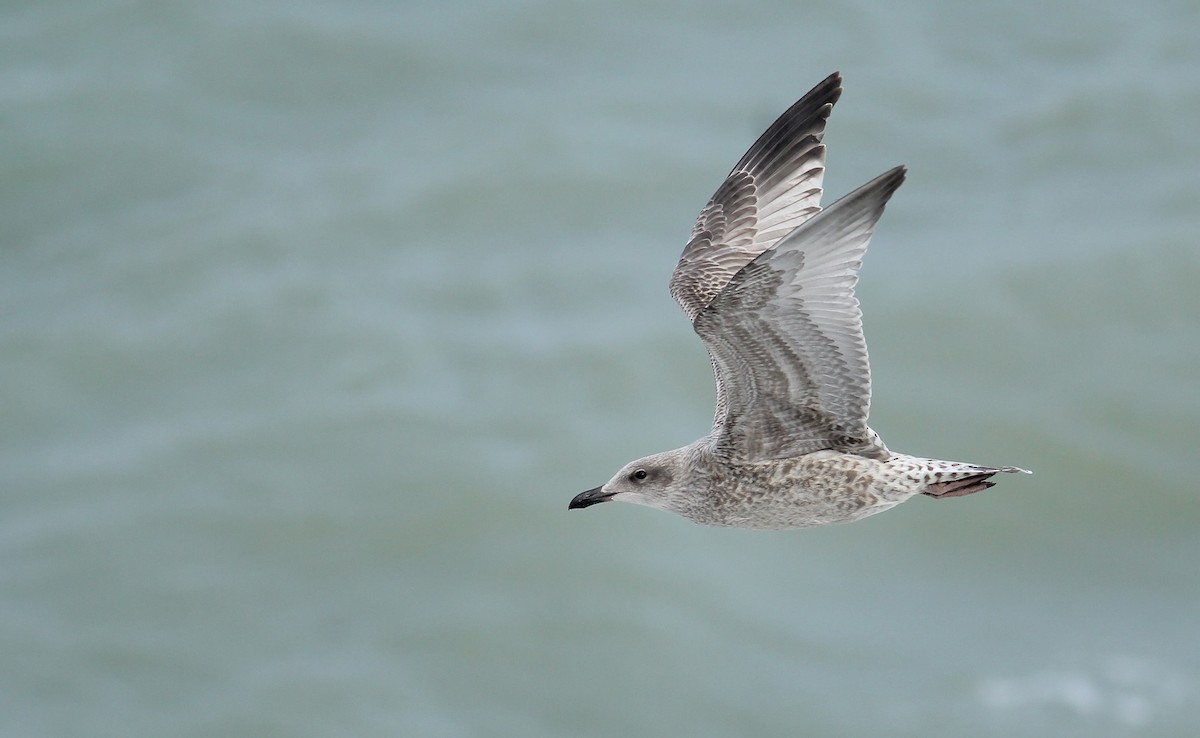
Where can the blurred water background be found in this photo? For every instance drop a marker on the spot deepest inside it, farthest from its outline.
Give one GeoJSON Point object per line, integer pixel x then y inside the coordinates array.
{"type": "Point", "coordinates": [314, 315]}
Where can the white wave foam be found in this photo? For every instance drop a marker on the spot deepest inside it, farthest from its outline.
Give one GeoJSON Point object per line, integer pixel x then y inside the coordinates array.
{"type": "Point", "coordinates": [1131, 691]}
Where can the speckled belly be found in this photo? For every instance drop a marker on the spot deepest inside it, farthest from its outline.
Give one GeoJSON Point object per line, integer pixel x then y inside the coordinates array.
{"type": "Point", "coordinates": [816, 489]}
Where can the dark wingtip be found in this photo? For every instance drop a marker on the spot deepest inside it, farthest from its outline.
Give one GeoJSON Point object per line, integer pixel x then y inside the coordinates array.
{"type": "Point", "coordinates": [894, 177]}
{"type": "Point", "coordinates": [830, 88]}
{"type": "Point", "coordinates": [804, 120]}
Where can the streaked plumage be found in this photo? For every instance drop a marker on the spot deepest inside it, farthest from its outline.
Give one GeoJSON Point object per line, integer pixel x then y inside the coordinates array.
{"type": "Point", "coordinates": [767, 279]}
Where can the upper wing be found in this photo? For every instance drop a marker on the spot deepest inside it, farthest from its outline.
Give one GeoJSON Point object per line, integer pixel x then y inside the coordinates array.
{"type": "Point", "coordinates": [774, 188]}
{"type": "Point", "coordinates": [785, 337]}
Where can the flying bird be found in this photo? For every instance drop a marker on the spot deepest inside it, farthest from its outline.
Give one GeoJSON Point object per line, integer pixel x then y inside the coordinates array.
{"type": "Point", "coordinates": [767, 280]}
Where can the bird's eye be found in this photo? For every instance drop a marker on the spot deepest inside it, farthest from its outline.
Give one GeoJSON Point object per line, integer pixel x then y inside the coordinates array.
{"type": "Point", "coordinates": [638, 475]}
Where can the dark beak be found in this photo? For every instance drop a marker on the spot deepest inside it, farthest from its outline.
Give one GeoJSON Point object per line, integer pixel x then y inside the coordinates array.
{"type": "Point", "coordinates": [589, 498]}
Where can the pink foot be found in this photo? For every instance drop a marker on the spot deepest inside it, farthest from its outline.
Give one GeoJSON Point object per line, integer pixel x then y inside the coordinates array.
{"type": "Point", "coordinates": [959, 487]}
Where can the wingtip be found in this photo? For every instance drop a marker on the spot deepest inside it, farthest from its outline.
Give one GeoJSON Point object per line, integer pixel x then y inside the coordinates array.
{"type": "Point", "coordinates": [886, 183]}
{"type": "Point", "coordinates": [795, 131]}
{"type": "Point", "coordinates": [891, 180]}
{"type": "Point", "coordinates": [831, 88]}
{"type": "Point", "coordinates": [817, 103]}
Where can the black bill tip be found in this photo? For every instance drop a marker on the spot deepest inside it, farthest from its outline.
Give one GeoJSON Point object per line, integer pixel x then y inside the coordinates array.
{"type": "Point", "coordinates": [589, 498]}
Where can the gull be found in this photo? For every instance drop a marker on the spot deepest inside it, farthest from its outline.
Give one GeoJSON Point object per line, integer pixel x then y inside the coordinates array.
{"type": "Point", "coordinates": [767, 280]}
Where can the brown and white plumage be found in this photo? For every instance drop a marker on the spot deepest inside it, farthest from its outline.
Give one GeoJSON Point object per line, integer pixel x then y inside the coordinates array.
{"type": "Point", "coordinates": [767, 279]}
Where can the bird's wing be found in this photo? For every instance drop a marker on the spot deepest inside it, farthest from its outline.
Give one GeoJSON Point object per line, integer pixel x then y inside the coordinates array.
{"type": "Point", "coordinates": [786, 342]}
{"type": "Point", "coordinates": [774, 188]}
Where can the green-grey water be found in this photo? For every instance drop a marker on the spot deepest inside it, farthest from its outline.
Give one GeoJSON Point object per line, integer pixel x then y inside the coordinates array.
{"type": "Point", "coordinates": [313, 317]}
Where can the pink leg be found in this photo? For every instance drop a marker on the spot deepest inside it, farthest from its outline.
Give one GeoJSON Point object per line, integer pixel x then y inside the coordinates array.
{"type": "Point", "coordinates": [959, 487]}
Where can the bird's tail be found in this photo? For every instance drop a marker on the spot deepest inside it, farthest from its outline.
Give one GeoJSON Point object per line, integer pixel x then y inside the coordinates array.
{"type": "Point", "coordinates": [956, 479]}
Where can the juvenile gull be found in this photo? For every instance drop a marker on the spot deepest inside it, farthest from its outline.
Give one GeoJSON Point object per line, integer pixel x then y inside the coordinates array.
{"type": "Point", "coordinates": [767, 280]}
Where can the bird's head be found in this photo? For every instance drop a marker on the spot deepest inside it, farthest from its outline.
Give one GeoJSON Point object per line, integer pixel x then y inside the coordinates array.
{"type": "Point", "coordinates": [656, 481]}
